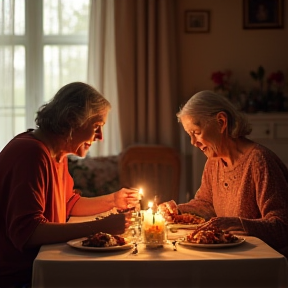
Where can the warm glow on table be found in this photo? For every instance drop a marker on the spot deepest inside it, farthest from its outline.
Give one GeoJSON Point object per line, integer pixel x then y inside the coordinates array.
{"type": "Point", "coordinates": [252, 264]}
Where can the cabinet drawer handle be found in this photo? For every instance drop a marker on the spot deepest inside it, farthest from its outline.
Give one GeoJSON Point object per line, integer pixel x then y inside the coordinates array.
{"type": "Point", "coordinates": [267, 132]}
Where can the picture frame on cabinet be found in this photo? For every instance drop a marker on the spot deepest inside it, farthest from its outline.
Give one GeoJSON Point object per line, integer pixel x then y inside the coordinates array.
{"type": "Point", "coordinates": [264, 14]}
{"type": "Point", "coordinates": [197, 21]}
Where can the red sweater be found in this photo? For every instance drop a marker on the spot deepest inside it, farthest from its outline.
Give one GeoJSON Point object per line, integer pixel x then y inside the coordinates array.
{"type": "Point", "coordinates": [33, 189]}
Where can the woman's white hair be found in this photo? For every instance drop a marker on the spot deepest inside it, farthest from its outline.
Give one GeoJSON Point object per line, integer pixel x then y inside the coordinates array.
{"type": "Point", "coordinates": [206, 104]}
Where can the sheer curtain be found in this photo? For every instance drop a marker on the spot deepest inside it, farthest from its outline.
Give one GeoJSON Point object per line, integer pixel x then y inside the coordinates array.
{"type": "Point", "coordinates": [102, 71]}
{"type": "Point", "coordinates": [132, 61]}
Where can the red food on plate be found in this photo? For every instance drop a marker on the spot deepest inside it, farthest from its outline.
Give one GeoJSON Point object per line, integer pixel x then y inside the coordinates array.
{"type": "Point", "coordinates": [103, 240]}
{"type": "Point", "coordinates": [171, 214]}
{"type": "Point", "coordinates": [211, 236]}
{"type": "Point", "coordinates": [187, 218]}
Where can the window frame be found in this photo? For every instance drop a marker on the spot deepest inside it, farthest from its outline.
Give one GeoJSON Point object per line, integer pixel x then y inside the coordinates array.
{"type": "Point", "coordinates": [34, 42]}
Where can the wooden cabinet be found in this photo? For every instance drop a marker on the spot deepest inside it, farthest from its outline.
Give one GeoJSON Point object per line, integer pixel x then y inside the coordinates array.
{"type": "Point", "coordinates": [269, 129]}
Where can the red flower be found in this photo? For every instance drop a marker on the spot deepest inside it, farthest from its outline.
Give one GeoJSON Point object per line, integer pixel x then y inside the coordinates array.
{"type": "Point", "coordinates": [276, 77]}
{"type": "Point", "coordinates": [218, 78]}
{"type": "Point", "coordinates": [221, 79]}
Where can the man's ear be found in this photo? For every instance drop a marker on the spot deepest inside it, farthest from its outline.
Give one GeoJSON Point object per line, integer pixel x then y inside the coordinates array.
{"type": "Point", "coordinates": [222, 120]}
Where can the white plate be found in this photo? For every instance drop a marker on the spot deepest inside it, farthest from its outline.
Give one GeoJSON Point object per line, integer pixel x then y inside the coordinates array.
{"type": "Point", "coordinates": [222, 245]}
{"type": "Point", "coordinates": [183, 226]}
{"type": "Point", "coordinates": [77, 243]}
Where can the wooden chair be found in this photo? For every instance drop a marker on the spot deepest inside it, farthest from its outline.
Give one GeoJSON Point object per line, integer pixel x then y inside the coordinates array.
{"type": "Point", "coordinates": [154, 168]}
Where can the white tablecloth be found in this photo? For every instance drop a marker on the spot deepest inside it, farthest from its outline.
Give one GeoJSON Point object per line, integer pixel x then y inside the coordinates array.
{"type": "Point", "coordinates": [251, 264]}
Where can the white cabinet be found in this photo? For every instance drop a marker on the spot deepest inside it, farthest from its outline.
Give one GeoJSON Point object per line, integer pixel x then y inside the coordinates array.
{"type": "Point", "coordinates": [269, 129]}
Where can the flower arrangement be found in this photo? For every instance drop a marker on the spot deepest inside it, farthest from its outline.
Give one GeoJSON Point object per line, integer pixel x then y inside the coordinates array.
{"type": "Point", "coordinates": [276, 81]}
{"type": "Point", "coordinates": [258, 76]}
{"type": "Point", "coordinates": [95, 176]}
{"type": "Point", "coordinates": [267, 95]}
{"type": "Point", "coordinates": [221, 80]}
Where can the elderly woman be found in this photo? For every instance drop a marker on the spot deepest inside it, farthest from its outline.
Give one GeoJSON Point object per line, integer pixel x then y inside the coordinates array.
{"type": "Point", "coordinates": [36, 189]}
{"type": "Point", "coordinates": [244, 185]}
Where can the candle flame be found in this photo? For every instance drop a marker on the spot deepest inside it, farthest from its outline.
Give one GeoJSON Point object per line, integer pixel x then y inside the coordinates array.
{"type": "Point", "coordinates": [140, 194]}
{"type": "Point", "coordinates": [150, 204]}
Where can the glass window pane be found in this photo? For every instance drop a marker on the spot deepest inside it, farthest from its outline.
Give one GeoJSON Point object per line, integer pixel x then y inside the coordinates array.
{"type": "Point", "coordinates": [20, 121]}
{"type": "Point", "coordinates": [62, 65]}
{"type": "Point", "coordinates": [12, 122]}
{"type": "Point", "coordinates": [19, 19]}
{"type": "Point", "coordinates": [66, 17]}
{"type": "Point", "coordinates": [12, 75]}
{"type": "Point", "coordinates": [7, 15]}
{"type": "Point", "coordinates": [12, 96]}
{"type": "Point", "coordinates": [19, 76]}
{"type": "Point", "coordinates": [6, 72]}
{"type": "Point", "coordinates": [12, 15]}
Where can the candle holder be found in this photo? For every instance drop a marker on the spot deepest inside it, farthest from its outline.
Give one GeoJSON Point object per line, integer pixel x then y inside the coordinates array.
{"type": "Point", "coordinates": [153, 230]}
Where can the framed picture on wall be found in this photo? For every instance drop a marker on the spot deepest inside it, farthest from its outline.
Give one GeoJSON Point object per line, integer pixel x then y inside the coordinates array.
{"type": "Point", "coordinates": [197, 21]}
{"type": "Point", "coordinates": [263, 14]}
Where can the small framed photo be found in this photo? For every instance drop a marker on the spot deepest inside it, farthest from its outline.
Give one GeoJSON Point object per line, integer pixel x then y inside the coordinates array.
{"type": "Point", "coordinates": [197, 21]}
{"type": "Point", "coordinates": [263, 14]}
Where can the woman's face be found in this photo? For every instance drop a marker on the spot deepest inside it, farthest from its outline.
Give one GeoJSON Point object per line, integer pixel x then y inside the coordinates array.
{"type": "Point", "coordinates": [89, 132]}
{"type": "Point", "coordinates": [206, 136]}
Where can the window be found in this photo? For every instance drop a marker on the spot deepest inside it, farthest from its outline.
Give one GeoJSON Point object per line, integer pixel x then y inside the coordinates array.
{"type": "Point", "coordinates": [43, 46]}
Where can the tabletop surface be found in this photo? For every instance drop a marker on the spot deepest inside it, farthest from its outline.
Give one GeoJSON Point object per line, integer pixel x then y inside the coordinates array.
{"type": "Point", "coordinates": [252, 248]}
{"type": "Point", "coordinates": [251, 264]}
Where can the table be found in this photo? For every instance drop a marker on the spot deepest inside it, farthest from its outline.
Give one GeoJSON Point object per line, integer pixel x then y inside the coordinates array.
{"type": "Point", "coordinates": [251, 264]}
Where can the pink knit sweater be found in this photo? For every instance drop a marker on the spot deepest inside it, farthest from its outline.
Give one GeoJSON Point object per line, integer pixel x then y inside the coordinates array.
{"type": "Point", "coordinates": [255, 190]}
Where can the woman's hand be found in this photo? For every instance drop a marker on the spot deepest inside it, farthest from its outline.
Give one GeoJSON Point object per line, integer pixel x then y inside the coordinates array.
{"type": "Point", "coordinates": [168, 210]}
{"type": "Point", "coordinates": [126, 198]}
{"type": "Point", "coordinates": [224, 223]}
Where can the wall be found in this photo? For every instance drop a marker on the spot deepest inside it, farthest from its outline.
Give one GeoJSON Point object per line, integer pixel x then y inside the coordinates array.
{"type": "Point", "coordinates": [227, 46]}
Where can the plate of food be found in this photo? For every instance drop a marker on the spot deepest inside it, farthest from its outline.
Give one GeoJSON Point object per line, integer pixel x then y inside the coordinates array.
{"type": "Point", "coordinates": [186, 221]}
{"type": "Point", "coordinates": [214, 245]}
{"type": "Point", "coordinates": [101, 242]}
{"type": "Point", "coordinates": [211, 238]}
{"type": "Point", "coordinates": [175, 220]}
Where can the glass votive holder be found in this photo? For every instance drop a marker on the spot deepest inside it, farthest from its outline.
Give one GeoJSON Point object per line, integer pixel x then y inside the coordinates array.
{"type": "Point", "coordinates": [153, 230]}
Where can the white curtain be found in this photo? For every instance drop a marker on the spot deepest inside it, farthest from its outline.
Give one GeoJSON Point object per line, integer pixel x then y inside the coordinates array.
{"type": "Point", "coordinates": [132, 61]}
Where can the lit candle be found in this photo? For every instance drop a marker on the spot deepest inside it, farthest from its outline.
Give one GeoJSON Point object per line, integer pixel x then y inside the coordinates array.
{"type": "Point", "coordinates": [155, 205]}
{"type": "Point", "coordinates": [153, 227]}
{"type": "Point", "coordinates": [140, 196]}
{"type": "Point", "coordinates": [150, 205]}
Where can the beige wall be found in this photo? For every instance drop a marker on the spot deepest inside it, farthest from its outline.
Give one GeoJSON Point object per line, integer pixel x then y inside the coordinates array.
{"type": "Point", "coordinates": [227, 46]}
